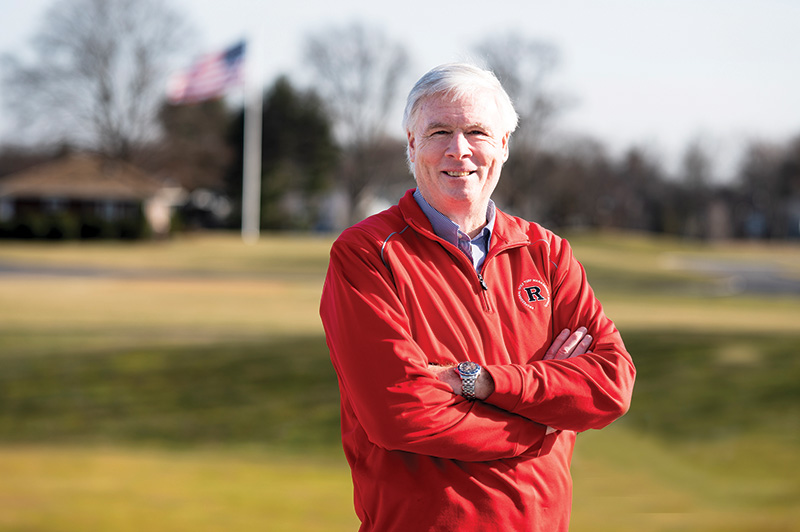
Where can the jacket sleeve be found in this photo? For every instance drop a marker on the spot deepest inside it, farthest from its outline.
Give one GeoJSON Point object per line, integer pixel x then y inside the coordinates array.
{"type": "Point", "coordinates": [383, 374]}
{"type": "Point", "coordinates": [584, 392]}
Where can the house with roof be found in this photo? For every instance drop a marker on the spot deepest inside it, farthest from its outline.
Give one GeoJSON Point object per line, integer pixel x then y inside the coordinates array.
{"type": "Point", "coordinates": [86, 196]}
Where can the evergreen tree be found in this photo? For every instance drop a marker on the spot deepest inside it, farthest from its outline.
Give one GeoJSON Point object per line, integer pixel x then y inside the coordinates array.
{"type": "Point", "coordinates": [298, 157]}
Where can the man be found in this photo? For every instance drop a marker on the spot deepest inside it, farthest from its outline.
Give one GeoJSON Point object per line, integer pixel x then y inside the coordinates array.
{"type": "Point", "coordinates": [468, 344]}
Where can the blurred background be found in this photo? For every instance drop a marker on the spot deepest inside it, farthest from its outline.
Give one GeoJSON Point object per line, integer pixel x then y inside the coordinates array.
{"type": "Point", "coordinates": [157, 372]}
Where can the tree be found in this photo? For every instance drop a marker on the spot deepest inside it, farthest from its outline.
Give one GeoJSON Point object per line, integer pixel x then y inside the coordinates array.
{"type": "Point", "coordinates": [194, 148]}
{"type": "Point", "coordinates": [769, 182]}
{"type": "Point", "coordinates": [643, 203]}
{"type": "Point", "coordinates": [357, 71]}
{"type": "Point", "coordinates": [298, 152]}
{"type": "Point", "coordinates": [15, 158]}
{"type": "Point", "coordinates": [697, 166]}
{"type": "Point", "coordinates": [696, 171]}
{"type": "Point", "coordinates": [523, 67]}
{"type": "Point", "coordinates": [98, 73]}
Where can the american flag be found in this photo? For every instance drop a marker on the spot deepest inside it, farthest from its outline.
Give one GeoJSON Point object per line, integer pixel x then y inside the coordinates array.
{"type": "Point", "coordinates": [209, 77]}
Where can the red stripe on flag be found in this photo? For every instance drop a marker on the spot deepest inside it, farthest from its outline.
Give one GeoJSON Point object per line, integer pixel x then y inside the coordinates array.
{"type": "Point", "coordinates": [209, 77]}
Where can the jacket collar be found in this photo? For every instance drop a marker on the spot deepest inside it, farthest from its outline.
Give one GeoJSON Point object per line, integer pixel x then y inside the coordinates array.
{"type": "Point", "coordinates": [507, 230]}
{"type": "Point", "coordinates": [446, 228]}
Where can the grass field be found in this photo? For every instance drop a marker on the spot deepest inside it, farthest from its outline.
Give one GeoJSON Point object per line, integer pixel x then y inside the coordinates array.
{"type": "Point", "coordinates": [185, 385]}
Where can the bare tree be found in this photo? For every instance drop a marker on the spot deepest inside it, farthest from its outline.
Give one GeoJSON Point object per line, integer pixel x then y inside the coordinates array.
{"type": "Point", "coordinates": [695, 171]}
{"type": "Point", "coordinates": [357, 71]}
{"type": "Point", "coordinates": [766, 189]}
{"type": "Point", "coordinates": [697, 165]}
{"type": "Point", "coordinates": [98, 72]}
{"type": "Point", "coordinates": [523, 66]}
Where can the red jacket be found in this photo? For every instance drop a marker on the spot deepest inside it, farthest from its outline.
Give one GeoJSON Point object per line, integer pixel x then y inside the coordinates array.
{"type": "Point", "coordinates": [397, 298]}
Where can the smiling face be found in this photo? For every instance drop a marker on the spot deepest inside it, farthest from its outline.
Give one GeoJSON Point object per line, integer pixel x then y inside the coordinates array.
{"type": "Point", "coordinates": [458, 149]}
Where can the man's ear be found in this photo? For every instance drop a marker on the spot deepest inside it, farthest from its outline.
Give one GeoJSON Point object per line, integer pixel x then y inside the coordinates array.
{"type": "Point", "coordinates": [412, 146]}
{"type": "Point", "coordinates": [506, 140]}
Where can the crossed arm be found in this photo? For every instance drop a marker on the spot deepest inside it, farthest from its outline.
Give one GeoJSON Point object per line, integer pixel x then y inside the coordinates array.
{"type": "Point", "coordinates": [566, 345]}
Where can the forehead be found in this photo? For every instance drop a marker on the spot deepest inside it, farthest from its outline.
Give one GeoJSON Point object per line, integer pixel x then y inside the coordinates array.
{"type": "Point", "coordinates": [443, 109]}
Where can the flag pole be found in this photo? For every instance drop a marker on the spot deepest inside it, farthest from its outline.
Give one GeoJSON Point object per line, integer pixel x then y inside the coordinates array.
{"type": "Point", "coordinates": [251, 178]}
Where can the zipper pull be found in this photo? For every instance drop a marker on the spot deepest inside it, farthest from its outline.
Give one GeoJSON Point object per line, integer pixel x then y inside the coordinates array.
{"type": "Point", "coordinates": [483, 283]}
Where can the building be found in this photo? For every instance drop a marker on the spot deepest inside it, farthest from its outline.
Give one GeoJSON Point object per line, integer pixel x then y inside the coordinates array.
{"type": "Point", "coordinates": [86, 196]}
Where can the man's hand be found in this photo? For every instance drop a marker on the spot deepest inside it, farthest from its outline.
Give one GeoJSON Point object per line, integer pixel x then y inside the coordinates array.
{"type": "Point", "coordinates": [569, 344]}
{"type": "Point", "coordinates": [447, 375]}
{"type": "Point", "coordinates": [484, 386]}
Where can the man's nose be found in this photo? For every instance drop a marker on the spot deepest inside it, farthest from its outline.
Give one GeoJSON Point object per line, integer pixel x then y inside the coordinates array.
{"type": "Point", "coordinates": [459, 146]}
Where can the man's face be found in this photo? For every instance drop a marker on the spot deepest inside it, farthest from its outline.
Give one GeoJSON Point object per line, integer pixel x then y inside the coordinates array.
{"type": "Point", "coordinates": [458, 149]}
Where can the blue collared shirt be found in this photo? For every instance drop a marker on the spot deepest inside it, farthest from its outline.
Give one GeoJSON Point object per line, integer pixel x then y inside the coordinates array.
{"type": "Point", "coordinates": [476, 248]}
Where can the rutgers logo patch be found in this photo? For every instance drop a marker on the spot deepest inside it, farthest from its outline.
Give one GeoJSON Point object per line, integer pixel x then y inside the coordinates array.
{"type": "Point", "coordinates": [533, 293]}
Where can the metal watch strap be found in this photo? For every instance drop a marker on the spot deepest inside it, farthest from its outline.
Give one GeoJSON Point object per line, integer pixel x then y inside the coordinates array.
{"type": "Point", "coordinates": [468, 386]}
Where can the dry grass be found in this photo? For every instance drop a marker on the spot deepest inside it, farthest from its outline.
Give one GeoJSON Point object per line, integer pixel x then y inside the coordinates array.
{"type": "Point", "coordinates": [626, 482]}
{"type": "Point", "coordinates": [205, 253]}
{"type": "Point", "coordinates": [200, 290]}
{"type": "Point", "coordinates": [210, 290]}
{"type": "Point", "coordinates": [704, 314]}
{"type": "Point", "coordinates": [49, 489]}
{"type": "Point", "coordinates": [90, 314]}
{"type": "Point", "coordinates": [623, 483]}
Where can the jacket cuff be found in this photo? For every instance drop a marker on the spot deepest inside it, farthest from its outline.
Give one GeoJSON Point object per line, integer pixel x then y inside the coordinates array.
{"type": "Point", "coordinates": [507, 387]}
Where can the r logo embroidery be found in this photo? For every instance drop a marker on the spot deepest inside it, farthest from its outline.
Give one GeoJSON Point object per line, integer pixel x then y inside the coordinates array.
{"type": "Point", "coordinates": [533, 292]}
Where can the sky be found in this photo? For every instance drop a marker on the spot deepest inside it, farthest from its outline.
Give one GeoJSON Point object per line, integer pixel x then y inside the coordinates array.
{"type": "Point", "coordinates": [657, 74]}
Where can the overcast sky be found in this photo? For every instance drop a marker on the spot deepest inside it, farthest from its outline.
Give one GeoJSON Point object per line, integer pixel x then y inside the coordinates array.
{"type": "Point", "coordinates": [655, 73]}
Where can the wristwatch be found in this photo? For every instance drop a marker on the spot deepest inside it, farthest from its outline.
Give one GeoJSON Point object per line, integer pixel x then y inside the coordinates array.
{"type": "Point", "coordinates": [469, 372]}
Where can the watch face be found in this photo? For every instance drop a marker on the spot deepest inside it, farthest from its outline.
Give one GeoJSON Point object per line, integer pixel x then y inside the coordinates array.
{"type": "Point", "coordinates": [468, 368]}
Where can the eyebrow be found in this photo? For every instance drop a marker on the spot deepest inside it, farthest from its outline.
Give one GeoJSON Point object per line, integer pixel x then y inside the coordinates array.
{"type": "Point", "coordinates": [442, 125]}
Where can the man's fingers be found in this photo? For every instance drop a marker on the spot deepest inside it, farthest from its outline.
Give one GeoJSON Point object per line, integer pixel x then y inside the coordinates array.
{"type": "Point", "coordinates": [448, 375]}
{"type": "Point", "coordinates": [556, 345]}
{"type": "Point", "coordinates": [568, 345]}
{"type": "Point", "coordinates": [583, 346]}
{"type": "Point", "coordinates": [571, 343]}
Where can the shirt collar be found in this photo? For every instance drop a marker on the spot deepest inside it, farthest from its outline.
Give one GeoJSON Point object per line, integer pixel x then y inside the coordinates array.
{"type": "Point", "coordinates": [448, 230]}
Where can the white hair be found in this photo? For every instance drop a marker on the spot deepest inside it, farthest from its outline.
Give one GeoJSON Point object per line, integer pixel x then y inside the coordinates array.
{"type": "Point", "coordinates": [458, 80]}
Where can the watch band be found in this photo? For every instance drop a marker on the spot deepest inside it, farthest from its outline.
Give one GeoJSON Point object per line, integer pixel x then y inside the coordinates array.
{"type": "Point", "coordinates": [468, 386]}
{"type": "Point", "coordinates": [469, 372]}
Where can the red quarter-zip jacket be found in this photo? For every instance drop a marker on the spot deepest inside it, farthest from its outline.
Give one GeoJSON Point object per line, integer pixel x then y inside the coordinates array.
{"type": "Point", "coordinates": [398, 298]}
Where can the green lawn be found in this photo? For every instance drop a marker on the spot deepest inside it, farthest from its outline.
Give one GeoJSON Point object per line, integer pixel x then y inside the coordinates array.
{"type": "Point", "coordinates": [185, 385]}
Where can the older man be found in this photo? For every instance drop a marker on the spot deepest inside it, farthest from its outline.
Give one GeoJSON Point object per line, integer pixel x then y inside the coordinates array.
{"type": "Point", "coordinates": [468, 344]}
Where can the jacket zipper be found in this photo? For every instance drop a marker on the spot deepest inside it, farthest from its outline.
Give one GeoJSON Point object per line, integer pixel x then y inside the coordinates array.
{"type": "Point", "coordinates": [483, 283]}
{"type": "Point", "coordinates": [487, 306]}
